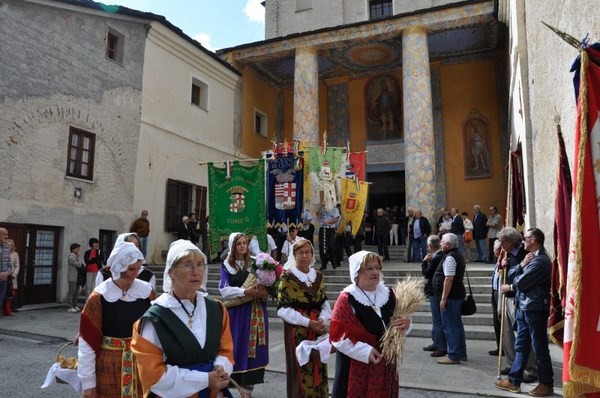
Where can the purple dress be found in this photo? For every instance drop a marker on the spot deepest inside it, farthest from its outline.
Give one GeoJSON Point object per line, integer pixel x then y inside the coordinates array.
{"type": "Point", "coordinates": [249, 326]}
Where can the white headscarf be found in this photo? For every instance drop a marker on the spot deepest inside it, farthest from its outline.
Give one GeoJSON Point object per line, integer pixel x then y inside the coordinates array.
{"type": "Point", "coordinates": [232, 237]}
{"type": "Point", "coordinates": [179, 249]}
{"type": "Point", "coordinates": [122, 256]}
{"type": "Point", "coordinates": [291, 262]}
{"type": "Point", "coordinates": [354, 263]}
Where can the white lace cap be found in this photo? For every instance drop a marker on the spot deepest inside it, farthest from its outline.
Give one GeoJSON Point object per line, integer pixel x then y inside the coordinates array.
{"type": "Point", "coordinates": [355, 262]}
{"type": "Point", "coordinates": [291, 262]}
{"type": "Point", "coordinates": [122, 256]}
{"type": "Point", "coordinates": [179, 249]}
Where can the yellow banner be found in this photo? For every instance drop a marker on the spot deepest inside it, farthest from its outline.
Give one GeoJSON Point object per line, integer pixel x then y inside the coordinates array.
{"type": "Point", "coordinates": [354, 202]}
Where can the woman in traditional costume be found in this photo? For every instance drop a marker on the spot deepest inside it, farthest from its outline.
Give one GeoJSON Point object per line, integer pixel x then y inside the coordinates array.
{"type": "Point", "coordinates": [360, 317]}
{"type": "Point", "coordinates": [105, 359]}
{"type": "Point", "coordinates": [245, 300]}
{"type": "Point", "coordinates": [303, 306]}
{"type": "Point", "coordinates": [183, 344]}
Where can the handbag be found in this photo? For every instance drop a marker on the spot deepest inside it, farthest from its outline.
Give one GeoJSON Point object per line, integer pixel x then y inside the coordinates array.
{"type": "Point", "coordinates": [468, 236]}
{"type": "Point", "coordinates": [469, 307]}
{"type": "Point", "coordinates": [81, 276]}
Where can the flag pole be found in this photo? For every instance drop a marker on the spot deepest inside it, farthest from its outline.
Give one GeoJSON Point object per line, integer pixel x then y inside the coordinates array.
{"type": "Point", "coordinates": [566, 37]}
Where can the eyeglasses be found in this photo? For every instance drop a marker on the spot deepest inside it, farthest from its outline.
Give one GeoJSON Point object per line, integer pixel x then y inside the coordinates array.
{"type": "Point", "coordinates": [190, 266]}
{"type": "Point", "coordinates": [528, 237]}
{"type": "Point", "coordinates": [373, 269]}
{"type": "Point", "coordinates": [304, 253]}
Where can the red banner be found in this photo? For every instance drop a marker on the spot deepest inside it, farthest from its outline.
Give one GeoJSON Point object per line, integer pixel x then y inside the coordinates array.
{"type": "Point", "coordinates": [357, 162]}
{"type": "Point", "coordinates": [562, 224]}
{"type": "Point", "coordinates": [581, 361]}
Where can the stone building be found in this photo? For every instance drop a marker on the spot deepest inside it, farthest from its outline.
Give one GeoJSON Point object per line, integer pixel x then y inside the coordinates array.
{"type": "Point", "coordinates": [540, 86]}
{"type": "Point", "coordinates": [421, 86]}
{"type": "Point", "coordinates": [105, 111]}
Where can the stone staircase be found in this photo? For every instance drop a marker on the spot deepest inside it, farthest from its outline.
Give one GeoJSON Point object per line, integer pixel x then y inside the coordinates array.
{"type": "Point", "coordinates": [478, 326]}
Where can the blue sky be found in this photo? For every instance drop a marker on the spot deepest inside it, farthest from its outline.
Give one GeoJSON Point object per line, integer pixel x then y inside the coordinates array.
{"type": "Point", "coordinates": [214, 23]}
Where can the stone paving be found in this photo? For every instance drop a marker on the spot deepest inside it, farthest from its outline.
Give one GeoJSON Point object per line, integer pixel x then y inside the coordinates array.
{"type": "Point", "coordinates": [419, 370]}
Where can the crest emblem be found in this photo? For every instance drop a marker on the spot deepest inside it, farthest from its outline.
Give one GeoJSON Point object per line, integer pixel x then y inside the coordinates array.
{"type": "Point", "coordinates": [236, 198]}
{"type": "Point", "coordinates": [325, 172]}
{"type": "Point", "coordinates": [351, 201]}
{"type": "Point", "coordinates": [285, 196]}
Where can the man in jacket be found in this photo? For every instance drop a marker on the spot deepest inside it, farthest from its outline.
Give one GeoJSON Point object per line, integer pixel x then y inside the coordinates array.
{"type": "Point", "coordinates": [458, 228]}
{"type": "Point", "coordinates": [428, 267]}
{"type": "Point", "coordinates": [141, 227]}
{"type": "Point", "coordinates": [419, 230]}
{"type": "Point", "coordinates": [480, 233]}
{"type": "Point", "coordinates": [531, 283]}
{"type": "Point", "coordinates": [510, 241]}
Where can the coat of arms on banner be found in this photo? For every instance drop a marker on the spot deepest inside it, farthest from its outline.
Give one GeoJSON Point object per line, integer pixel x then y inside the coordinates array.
{"type": "Point", "coordinates": [325, 172]}
{"type": "Point", "coordinates": [236, 198]}
{"type": "Point", "coordinates": [351, 201]}
{"type": "Point", "coordinates": [285, 189]}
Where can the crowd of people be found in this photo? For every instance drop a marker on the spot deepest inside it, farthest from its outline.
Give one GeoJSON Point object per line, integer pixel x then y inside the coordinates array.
{"type": "Point", "coordinates": [132, 343]}
{"type": "Point", "coordinates": [182, 343]}
{"type": "Point", "coordinates": [520, 303]}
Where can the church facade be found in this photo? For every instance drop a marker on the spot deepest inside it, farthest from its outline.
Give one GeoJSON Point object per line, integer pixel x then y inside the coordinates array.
{"type": "Point", "coordinates": [423, 91]}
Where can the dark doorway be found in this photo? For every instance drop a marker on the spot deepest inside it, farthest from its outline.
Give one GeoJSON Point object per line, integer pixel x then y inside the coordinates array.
{"type": "Point", "coordinates": [37, 246]}
{"type": "Point", "coordinates": [386, 190]}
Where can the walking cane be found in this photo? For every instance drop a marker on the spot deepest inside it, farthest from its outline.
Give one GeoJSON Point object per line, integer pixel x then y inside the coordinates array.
{"type": "Point", "coordinates": [502, 315]}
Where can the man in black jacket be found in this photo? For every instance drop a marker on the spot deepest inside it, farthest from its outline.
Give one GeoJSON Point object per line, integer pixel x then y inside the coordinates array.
{"type": "Point", "coordinates": [419, 230]}
{"type": "Point", "coordinates": [428, 267]}
{"type": "Point", "coordinates": [458, 228]}
{"type": "Point", "coordinates": [480, 233]}
{"type": "Point", "coordinates": [531, 282]}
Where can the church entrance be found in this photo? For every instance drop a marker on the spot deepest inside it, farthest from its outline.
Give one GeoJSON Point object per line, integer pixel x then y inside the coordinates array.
{"type": "Point", "coordinates": [387, 189]}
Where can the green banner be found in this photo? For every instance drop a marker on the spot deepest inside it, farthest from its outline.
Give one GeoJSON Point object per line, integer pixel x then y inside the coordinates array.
{"type": "Point", "coordinates": [237, 202]}
{"type": "Point", "coordinates": [329, 163]}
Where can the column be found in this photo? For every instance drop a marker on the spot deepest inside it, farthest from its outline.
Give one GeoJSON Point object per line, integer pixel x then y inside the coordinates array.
{"type": "Point", "coordinates": [306, 95]}
{"type": "Point", "coordinates": [418, 123]}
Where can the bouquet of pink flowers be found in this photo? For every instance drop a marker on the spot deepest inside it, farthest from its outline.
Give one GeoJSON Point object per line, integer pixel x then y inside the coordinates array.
{"type": "Point", "coordinates": [267, 270]}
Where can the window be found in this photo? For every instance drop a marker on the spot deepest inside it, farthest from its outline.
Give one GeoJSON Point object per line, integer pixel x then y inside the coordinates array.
{"type": "Point", "coordinates": [199, 94]}
{"type": "Point", "coordinates": [107, 239]}
{"type": "Point", "coordinates": [80, 160]}
{"type": "Point", "coordinates": [302, 5]}
{"type": "Point", "coordinates": [380, 9]}
{"type": "Point", "coordinates": [114, 45]}
{"type": "Point", "coordinates": [260, 123]}
{"type": "Point", "coordinates": [179, 203]}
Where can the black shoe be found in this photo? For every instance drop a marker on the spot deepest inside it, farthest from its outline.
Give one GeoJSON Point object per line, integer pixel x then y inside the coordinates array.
{"type": "Point", "coordinates": [438, 353]}
{"type": "Point", "coordinates": [463, 359]}
{"type": "Point", "coordinates": [529, 378]}
{"type": "Point", "coordinates": [494, 353]}
{"type": "Point", "coordinates": [505, 371]}
{"type": "Point", "coordinates": [430, 347]}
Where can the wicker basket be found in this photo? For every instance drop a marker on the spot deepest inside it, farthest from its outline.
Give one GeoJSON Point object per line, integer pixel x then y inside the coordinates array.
{"type": "Point", "coordinates": [65, 363]}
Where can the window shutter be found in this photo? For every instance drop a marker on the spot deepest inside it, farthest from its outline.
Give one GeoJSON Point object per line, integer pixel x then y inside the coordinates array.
{"type": "Point", "coordinates": [171, 206]}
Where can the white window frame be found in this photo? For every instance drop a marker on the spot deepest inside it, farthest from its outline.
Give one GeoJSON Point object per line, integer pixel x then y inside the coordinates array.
{"type": "Point", "coordinates": [204, 93]}
{"type": "Point", "coordinates": [119, 51]}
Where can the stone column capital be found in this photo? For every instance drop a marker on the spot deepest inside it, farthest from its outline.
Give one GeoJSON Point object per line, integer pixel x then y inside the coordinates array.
{"type": "Point", "coordinates": [415, 30]}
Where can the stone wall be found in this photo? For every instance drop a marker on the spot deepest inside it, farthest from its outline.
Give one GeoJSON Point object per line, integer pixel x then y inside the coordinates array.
{"type": "Point", "coordinates": [55, 76]}
{"type": "Point", "coordinates": [547, 89]}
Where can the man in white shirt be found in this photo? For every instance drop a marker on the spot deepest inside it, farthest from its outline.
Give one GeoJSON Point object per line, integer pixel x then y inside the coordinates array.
{"type": "Point", "coordinates": [254, 248]}
{"type": "Point", "coordinates": [287, 245]}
